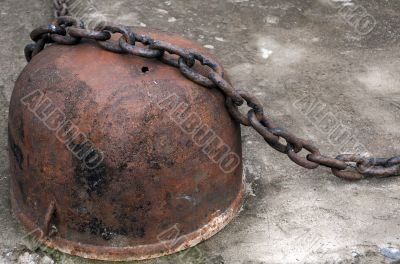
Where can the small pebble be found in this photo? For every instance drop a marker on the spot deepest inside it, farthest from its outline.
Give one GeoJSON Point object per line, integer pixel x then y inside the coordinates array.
{"type": "Point", "coordinates": [46, 260]}
{"type": "Point", "coordinates": [171, 19]}
{"type": "Point", "coordinates": [390, 252]}
{"type": "Point", "coordinates": [27, 258]}
{"type": "Point", "coordinates": [162, 11]}
{"type": "Point", "coordinates": [266, 53]}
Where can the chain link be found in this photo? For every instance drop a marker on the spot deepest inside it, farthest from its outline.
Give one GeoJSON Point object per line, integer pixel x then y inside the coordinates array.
{"type": "Point", "coordinates": [60, 8]}
{"type": "Point", "coordinates": [69, 31]}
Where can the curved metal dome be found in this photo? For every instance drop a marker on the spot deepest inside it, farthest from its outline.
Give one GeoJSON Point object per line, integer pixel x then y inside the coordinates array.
{"type": "Point", "coordinates": [116, 157]}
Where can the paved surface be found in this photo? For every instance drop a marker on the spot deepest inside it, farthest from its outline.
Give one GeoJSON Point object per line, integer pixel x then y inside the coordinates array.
{"type": "Point", "coordinates": [284, 51]}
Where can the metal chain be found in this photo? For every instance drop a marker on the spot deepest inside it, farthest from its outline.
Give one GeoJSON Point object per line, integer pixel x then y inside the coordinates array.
{"type": "Point", "coordinates": [60, 8]}
{"type": "Point", "coordinates": [67, 30]}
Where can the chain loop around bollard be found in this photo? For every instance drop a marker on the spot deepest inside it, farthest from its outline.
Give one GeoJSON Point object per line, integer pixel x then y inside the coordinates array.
{"type": "Point", "coordinates": [185, 61]}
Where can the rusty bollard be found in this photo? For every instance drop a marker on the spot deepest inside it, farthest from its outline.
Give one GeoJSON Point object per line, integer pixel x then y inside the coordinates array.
{"type": "Point", "coordinates": [118, 157]}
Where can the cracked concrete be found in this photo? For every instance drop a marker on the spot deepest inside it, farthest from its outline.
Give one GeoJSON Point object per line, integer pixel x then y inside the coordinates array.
{"type": "Point", "coordinates": [282, 51]}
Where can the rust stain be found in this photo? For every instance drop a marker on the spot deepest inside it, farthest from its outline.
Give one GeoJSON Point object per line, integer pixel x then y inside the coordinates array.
{"type": "Point", "coordinates": [152, 176]}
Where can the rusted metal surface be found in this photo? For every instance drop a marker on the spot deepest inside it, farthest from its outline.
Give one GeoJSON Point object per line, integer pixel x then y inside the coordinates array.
{"type": "Point", "coordinates": [183, 57]}
{"type": "Point", "coordinates": [153, 176]}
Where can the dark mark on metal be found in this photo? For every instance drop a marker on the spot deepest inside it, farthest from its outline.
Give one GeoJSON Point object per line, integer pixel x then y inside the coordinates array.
{"type": "Point", "coordinates": [16, 150]}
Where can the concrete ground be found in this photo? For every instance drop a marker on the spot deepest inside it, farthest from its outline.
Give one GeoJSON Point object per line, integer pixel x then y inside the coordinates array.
{"type": "Point", "coordinates": [342, 64]}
